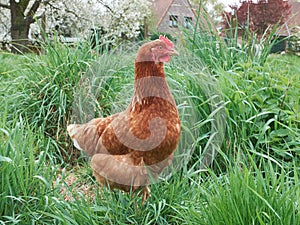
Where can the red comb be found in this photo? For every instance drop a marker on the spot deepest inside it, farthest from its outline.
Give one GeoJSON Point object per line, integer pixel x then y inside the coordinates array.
{"type": "Point", "coordinates": [166, 40]}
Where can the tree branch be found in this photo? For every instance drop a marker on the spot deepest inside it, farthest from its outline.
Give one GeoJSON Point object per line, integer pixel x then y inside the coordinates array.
{"type": "Point", "coordinates": [34, 7]}
{"type": "Point", "coordinates": [4, 6]}
{"type": "Point", "coordinates": [33, 10]}
{"type": "Point", "coordinates": [106, 6]}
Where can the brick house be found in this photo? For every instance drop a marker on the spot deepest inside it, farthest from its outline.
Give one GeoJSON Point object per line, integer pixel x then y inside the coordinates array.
{"type": "Point", "coordinates": [169, 15]}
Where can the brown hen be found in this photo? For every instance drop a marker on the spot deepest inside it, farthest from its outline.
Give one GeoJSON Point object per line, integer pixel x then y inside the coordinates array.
{"type": "Point", "coordinates": [131, 148]}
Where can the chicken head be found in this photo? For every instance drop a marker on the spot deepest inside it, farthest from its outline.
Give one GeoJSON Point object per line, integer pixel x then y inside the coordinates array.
{"type": "Point", "coordinates": [160, 50]}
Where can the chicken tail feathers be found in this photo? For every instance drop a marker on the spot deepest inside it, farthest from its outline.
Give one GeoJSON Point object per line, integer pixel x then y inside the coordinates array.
{"type": "Point", "coordinates": [85, 137]}
{"type": "Point", "coordinates": [73, 130]}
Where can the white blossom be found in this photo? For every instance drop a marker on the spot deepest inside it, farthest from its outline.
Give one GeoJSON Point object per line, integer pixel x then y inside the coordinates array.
{"type": "Point", "coordinates": [76, 18]}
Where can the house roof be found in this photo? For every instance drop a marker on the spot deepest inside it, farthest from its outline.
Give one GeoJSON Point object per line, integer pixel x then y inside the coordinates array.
{"type": "Point", "coordinates": [160, 7]}
{"type": "Point", "coordinates": [164, 13]}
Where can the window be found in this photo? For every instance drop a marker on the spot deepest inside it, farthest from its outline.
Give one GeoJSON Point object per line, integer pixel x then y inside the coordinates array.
{"type": "Point", "coordinates": [173, 21]}
{"type": "Point", "coordinates": [188, 22]}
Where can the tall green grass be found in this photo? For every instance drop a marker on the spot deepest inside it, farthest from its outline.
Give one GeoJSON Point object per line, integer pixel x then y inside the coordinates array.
{"type": "Point", "coordinates": [238, 155]}
{"type": "Point", "coordinates": [42, 90]}
{"type": "Point", "coordinates": [227, 49]}
{"type": "Point", "coordinates": [249, 195]}
{"type": "Point", "coordinates": [244, 194]}
{"type": "Point", "coordinates": [262, 113]}
{"type": "Point", "coordinates": [27, 173]}
{"type": "Point", "coordinates": [261, 96]}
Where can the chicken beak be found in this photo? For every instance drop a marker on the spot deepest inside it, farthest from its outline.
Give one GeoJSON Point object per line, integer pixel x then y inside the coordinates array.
{"type": "Point", "coordinates": [173, 52]}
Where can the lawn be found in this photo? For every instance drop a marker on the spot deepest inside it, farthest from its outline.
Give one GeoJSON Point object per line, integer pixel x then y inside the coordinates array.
{"type": "Point", "coordinates": [244, 110]}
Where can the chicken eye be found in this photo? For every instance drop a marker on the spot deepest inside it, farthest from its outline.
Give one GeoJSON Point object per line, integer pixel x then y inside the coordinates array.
{"type": "Point", "coordinates": [160, 47]}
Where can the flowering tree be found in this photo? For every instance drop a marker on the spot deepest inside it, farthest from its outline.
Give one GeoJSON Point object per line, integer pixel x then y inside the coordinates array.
{"type": "Point", "coordinates": [24, 19]}
{"type": "Point", "coordinates": [125, 18]}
